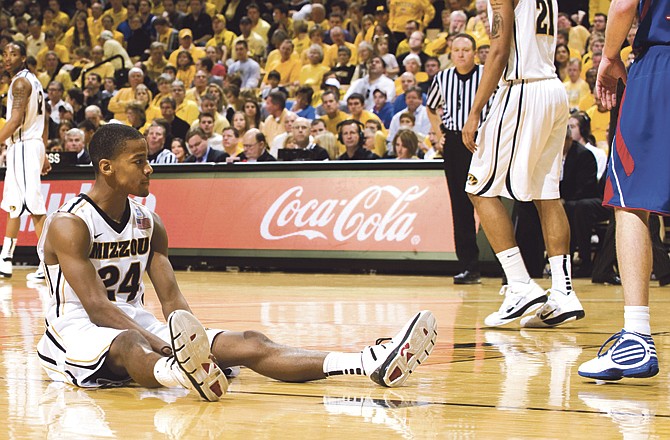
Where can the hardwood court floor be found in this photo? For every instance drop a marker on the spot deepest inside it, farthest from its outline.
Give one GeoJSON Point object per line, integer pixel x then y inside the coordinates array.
{"type": "Point", "coordinates": [478, 383]}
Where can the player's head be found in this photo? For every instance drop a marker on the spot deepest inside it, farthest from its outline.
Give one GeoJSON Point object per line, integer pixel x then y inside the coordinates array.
{"type": "Point", "coordinates": [119, 153]}
{"type": "Point", "coordinates": [14, 56]}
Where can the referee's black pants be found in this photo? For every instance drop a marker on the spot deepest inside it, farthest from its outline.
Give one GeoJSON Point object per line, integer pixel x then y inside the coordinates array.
{"type": "Point", "coordinates": [456, 165]}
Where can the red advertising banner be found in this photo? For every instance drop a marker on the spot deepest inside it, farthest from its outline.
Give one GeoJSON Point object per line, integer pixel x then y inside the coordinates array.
{"type": "Point", "coordinates": [357, 212]}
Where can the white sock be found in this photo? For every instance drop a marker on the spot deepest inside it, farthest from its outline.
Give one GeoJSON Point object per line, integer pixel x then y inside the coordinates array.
{"type": "Point", "coordinates": [513, 265]}
{"type": "Point", "coordinates": [561, 273]}
{"type": "Point", "coordinates": [636, 319]}
{"type": "Point", "coordinates": [8, 246]}
{"type": "Point", "coordinates": [168, 374]}
{"type": "Point", "coordinates": [337, 364]}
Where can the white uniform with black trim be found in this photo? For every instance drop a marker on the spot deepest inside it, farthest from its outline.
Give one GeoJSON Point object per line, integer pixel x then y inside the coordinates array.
{"type": "Point", "coordinates": [73, 349]}
{"type": "Point", "coordinates": [25, 154]}
{"type": "Point", "coordinates": [520, 143]}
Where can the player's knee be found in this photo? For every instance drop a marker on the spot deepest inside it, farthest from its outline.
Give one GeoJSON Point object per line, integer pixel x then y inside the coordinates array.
{"type": "Point", "coordinates": [124, 343]}
{"type": "Point", "coordinates": [257, 338]}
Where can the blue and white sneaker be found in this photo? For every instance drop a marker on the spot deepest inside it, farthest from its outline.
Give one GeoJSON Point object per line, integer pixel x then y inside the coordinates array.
{"type": "Point", "coordinates": [631, 355]}
{"type": "Point", "coordinates": [520, 299]}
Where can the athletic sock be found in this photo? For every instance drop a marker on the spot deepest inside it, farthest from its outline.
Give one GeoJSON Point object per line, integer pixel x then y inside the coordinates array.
{"type": "Point", "coordinates": [512, 264]}
{"type": "Point", "coordinates": [636, 319]}
{"type": "Point", "coordinates": [168, 374]}
{"type": "Point", "coordinates": [561, 273]}
{"type": "Point", "coordinates": [8, 246]}
{"type": "Point", "coordinates": [337, 364]}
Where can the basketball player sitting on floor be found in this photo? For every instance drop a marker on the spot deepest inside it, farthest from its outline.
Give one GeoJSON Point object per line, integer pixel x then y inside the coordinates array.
{"type": "Point", "coordinates": [95, 250]}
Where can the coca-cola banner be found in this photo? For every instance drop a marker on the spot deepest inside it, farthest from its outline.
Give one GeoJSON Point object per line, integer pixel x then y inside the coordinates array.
{"type": "Point", "coordinates": [356, 212]}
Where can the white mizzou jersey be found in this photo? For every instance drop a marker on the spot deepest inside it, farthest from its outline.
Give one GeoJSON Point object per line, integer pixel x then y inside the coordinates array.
{"type": "Point", "coordinates": [118, 251]}
{"type": "Point", "coordinates": [533, 40]}
{"type": "Point", "coordinates": [32, 126]}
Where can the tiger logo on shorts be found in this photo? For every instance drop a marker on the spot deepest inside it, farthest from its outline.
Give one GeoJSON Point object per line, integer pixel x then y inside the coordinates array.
{"type": "Point", "coordinates": [472, 180]}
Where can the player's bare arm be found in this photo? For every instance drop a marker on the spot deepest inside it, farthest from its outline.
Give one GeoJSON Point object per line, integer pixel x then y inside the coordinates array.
{"type": "Point", "coordinates": [620, 19]}
{"type": "Point", "coordinates": [161, 273]}
{"type": "Point", "coordinates": [21, 91]}
{"type": "Point", "coordinates": [502, 25]}
{"type": "Point", "coordinates": [67, 244]}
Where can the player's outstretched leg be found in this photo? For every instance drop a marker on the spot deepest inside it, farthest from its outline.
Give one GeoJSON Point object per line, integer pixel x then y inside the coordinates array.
{"type": "Point", "coordinates": [390, 364]}
{"type": "Point", "coordinates": [191, 350]}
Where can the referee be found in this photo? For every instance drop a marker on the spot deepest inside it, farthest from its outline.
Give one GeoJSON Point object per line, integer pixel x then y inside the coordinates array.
{"type": "Point", "coordinates": [454, 89]}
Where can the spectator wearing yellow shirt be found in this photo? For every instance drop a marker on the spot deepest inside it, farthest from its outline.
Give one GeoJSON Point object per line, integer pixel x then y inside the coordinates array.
{"type": "Point", "coordinates": [356, 106]}
{"type": "Point", "coordinates": [109, 25]}
{"type": "Point", "coordinates": [330, 55]}
{"type": "Point", "coordinates": [258, 25]}
{"type": "Point", "coordinates": [51, 46]}
{"type": "Point", "coordinates": [579, 35]}
{"type": "Point", "coordinates": [222, 36]}
{"type": "Point", "coordinates": [126, 95]}
{"type": "Point", "coordinates": [186, 109]}
{"type": "Point", "coordinates": [95, 20]}
{"type": "Point", "coordinates": [403, 46]}
{"type": "Point", "coordinates": [334, 115]}
{"type": "Point", "coordinates": [186, 43]}
{"type": "Point", "coordinates": [575, 86]}
{"type": "Point", "coordinates": [589, 100]}
{"type": "Point", "coordinates": [156, 63]}
{"type": "Point", "coordinates": [54, 72]}
{"type": "Point", "coordinates": [274, 124]}
{"type": "Point", "coordinates": [254, 41]}
{"type": "Point", "coordinates": [118, 12]}
{"type": "Point", "coordinates": [312, 74]}
{"type": "Point", "coordinates": [315, 37]}
{"type": "Point", "coordinates": [563, 38]}
{"type": "Point", "coordinates": [289, 67]}
{"type": "Point", "coordinates": [78, 35]}
{"type": "Point", "coordinates": [105, 70]}
{"type": "Point", "coordinates": [301, 41]}
{"type": "Point", "coordinates": [600, 121]}
{"type": "Point", "coordinates": [185, 68]}
{"type": "Point", "coordinates": [402, 11]}
{"type": "Point", "coordinates": [59, 16]}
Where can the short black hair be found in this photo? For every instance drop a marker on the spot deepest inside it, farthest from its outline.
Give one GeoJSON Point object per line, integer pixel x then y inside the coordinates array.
{"type": "Point", "coordinates": [109, 140]}
{"type": "Point", "coordinates": [467, 37]}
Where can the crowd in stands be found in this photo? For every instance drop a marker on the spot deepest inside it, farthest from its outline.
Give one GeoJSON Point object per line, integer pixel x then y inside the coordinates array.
{"type": "Point", "coordinates": [224, 80]}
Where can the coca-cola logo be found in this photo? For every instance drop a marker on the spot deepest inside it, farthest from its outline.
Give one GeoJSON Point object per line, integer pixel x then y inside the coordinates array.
{"type": "Point", "coordinates": [360, 218]}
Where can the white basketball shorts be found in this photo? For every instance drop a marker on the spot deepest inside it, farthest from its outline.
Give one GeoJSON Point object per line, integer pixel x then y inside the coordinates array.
{"type": "Point", "coordinates": [73, 349]}
{"type": "Point", "coordinates": [22, 190]}
{"type": "Point", "coordinates": [520, 144]}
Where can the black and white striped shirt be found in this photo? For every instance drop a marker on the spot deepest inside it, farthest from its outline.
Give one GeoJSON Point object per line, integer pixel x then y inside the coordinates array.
{"type": "Point", "coordinates": [456, 93]}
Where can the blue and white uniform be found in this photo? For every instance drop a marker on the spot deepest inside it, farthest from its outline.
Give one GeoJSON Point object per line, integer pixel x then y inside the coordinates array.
{"type": "Point", "coordinates": [638, 173]}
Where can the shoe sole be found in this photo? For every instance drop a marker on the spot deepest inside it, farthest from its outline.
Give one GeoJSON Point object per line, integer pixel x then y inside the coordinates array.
{"type": "Point", "coordinates": [413, 349]}
{"type": "Point", "coordinates": [468, 282]}
{"type": "Point", "coordinates": [190, 347]}
{"type": "Point", "coordinates": [528, 308]}
{"type": "Point", "coordinates": [613, 374]}
{"type": "Point", "coordinates": [5, 275]}
{"type": "Point", "coordinates": [554, 322]}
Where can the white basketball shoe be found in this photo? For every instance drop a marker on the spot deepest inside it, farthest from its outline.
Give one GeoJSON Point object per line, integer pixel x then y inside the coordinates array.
{"type": "Point", "coordinates": [6, 267]}
{"type": "Point", "coordinates": [390, 364]}
{"type": "Point", "coordinates": [191, 350]}
{"type": "Point", "coordinates": [559, 309]}
{"type": "Point", "coordinates": [37, 276]}
{"type": "Point", "coordinates": [520, 298]}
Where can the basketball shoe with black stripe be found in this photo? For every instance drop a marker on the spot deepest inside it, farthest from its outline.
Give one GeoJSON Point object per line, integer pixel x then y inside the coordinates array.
{"type": "Point", "coordinates": [631, 355]}
{"type": "Point", "coordinates": [390, 364]}
{"type": "Point", "coordinates": [520, 298]}
{"type": "Point", "coordinates": [5, 267]}
{"type": "Point", "coordinates": [559, 309]}
{"type": "Point", "coordinates": [191, 351]}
